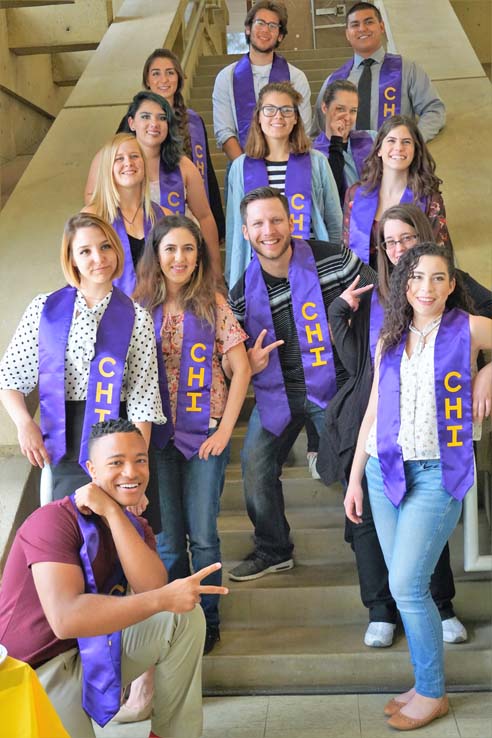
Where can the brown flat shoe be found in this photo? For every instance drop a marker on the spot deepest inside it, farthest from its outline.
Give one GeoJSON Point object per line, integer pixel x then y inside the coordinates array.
{"type": "Point", "coordinates": [393, 706]}
{"type": "Point", "coordinates": [403, 722]}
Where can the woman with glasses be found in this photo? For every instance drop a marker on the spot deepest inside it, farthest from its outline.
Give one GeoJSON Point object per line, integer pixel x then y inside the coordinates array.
{"type": "Point", "coordinates": [175, 182]}
{"type": "Point", "coordinates": [399, 169]}
{"type": "Point", "coordinates": [278, 154]}
{"type": "Point", "coordinates": [355, 321]}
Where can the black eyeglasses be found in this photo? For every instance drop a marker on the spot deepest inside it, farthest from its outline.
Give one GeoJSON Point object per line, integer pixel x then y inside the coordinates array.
{"type": "Point", "coordinates": [263, 24]}
{"type": "Point", "coordinates": [404, 241]}
{"type": "Point", "coordinates": [270, 111]}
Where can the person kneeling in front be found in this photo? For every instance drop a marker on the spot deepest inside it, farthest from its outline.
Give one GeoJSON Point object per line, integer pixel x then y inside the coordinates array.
{"type": "Point", "coordinates": [58, 615]}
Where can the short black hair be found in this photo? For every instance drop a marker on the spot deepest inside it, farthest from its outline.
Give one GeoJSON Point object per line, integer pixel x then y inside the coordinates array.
{"type": "Point", "coordinates": [364, 6]}
{"type": "Point", "coordinates": [108, 427]}
{"type": "Point", "coordinates": [262, 193]}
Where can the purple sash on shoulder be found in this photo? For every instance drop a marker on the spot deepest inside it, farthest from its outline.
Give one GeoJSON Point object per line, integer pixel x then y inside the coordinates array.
{"type": "Point", "coordinates": [172, 191]}
{"type": "Point", "coordinates": [106, 371]}
{"type": "Point", "coordinates": [452, 380]}
{"type": "Point", "coordinates": [297, 188]}
{"type": "Point", "coordinates": [244, 90]}
{"type": "Point", "coordinates": [389, 84]}
{"type": "Point", "coordinates": [360, 147]}
{"type": "Point", "coordinates": [362, 216]}
{"type": "Point", "coordinates": [128, 280]}
{"type": "Point", "coordinates": [161, 433]}
{"type": "Point", "coordinates": [198, 145]}
{"type": "Point", "coordinates": [195, 382]}
{"type": "Point", "coordinates": [312, 331]}
{"type": "Point", "coordinates": [100, 655]}
{"type": "Point", "coordinates": [376, 318]}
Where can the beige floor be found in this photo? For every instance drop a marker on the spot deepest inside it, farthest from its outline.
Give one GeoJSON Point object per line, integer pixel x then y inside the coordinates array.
{"type": "Point", "coordinates": [333, 716]}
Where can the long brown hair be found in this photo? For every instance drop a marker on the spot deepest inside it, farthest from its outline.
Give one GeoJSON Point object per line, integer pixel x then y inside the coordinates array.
{"type": "Point", "coordinates": [398, 311]}
{"type": "Point", "coordinates": [199, 294]}
{"type": "Point", "coordinates": [413, 216]}
{"type": "Point", "coordinates": [179, 107]}
{"type": "Point", "coordinates": [256, 143]}
{"type": "Point", "coordinates": [422, 179]}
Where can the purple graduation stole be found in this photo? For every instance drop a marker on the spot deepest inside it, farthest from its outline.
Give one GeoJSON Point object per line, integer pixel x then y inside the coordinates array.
{"type": "Point", "coordinates": [244, 90]}
{"type": "Point", "coordinates": [312, 331]}
{"type": "Point", "coordinates": [172, 191]}
{"type": "Point", "coordinates": [195, 382]}
{"type": "Point", "coordinates": [100, 655]}
{"type": "Point", "coordinates": [452, 381]}
{"type": "Point", "coordinates": [128, 280]}
{"type": "Point", "coordinates": [376, 318]}
{"type": "Point", "coordinates": [360, 147]}
{"type": "Point", "coordinates": [389, 84]}
{"type": "Point", "coordinates": [105, 375]}
{"type": "Point", "coordinates": [198, 145]}
{"type": "Point", "coordinates": [297, 188]}
{"type": "Point", "coordinates": [362, 217]}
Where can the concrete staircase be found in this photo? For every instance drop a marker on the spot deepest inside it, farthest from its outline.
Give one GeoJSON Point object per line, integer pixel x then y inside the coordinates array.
{"type": "Point", "coordinates": [302, 631]}
{"type": "Point", "coordinates": [317, 65]}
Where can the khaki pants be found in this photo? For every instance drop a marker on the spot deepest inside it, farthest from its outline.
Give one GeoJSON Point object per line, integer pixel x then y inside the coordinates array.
{"type": "Point", "coordinates": [173, 643]}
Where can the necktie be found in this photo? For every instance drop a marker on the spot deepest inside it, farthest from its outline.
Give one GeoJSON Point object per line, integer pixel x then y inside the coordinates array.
{"type": "Point", "coordinates": [364, 87]}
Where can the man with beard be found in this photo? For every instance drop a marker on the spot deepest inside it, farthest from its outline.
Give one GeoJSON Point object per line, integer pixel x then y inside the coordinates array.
{"type": "Point", "coordinates": [237, 86]}
{"type": "Point", "coordinates": [282, 302]}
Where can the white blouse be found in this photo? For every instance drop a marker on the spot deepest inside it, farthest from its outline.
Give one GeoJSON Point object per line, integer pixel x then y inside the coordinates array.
{"type": "Point", "coordinates": [19, 367]}
{"type": "Point", "coordinates": [418, 417]}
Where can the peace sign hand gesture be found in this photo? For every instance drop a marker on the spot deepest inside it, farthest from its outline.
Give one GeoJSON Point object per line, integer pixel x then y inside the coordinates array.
{"type": "Point", "coordinates": [183, 594]}
{"type": "Point", "coordinates": [352, 294]}
{"type": "Point", "coordinates": [259, 355]}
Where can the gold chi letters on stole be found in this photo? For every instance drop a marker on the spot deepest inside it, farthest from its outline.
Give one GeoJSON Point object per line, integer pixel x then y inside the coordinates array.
{"type": "Point", "coordinates": [299, 219]}
{"type": "Point", "coordinates": [104, 390]}
{"type": "Point", "coordinates": [313, 332]}
{"type": "Point", "coordinates": [456, 408]}
{"type": "Point", "coordinates": [389, 109]}
{"type": "Point", "coordinates": [198, 376]}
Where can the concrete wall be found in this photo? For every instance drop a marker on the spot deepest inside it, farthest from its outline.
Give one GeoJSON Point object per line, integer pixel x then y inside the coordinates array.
{"type": "Point", "coordinates": [476, 19]}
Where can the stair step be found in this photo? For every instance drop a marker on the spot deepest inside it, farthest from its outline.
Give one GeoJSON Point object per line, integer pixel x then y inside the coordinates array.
{"type": "Point", "coordinates": [312, 70]}
{"type": "Point", "coordinates": [311, 546]}
{"type": "Point", "coordinates": [324, 658]}
{"type": "Point", "coordinates": [299, 490]}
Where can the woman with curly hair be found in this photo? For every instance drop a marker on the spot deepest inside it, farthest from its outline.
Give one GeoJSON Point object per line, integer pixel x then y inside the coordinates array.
{"type": "Point", "coordinates": [399, 169]}
{"type": "Point", "coordinates": [415, 447]}
{"type": "Point", "coordinates": [175, 182]}
{"type": "Point", "coordinates": [278, 154]}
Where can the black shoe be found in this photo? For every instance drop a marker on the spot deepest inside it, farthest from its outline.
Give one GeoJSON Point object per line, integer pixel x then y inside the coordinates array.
{"type": "Point", "coordinates": [211, 637]}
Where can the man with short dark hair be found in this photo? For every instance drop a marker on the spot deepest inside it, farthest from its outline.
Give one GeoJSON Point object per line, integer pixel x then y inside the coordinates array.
{"type": "Point", "coordinates": [59, 612]}
{"type": "Point", "coordinates": [237, 86]}
{"type": "Point", "coordinates": [282, 301]}
{"type": "Point", "coordinates": [388, 84]}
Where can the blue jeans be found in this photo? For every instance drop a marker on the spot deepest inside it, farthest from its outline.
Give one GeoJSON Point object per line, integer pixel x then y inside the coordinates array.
{"type": "Point", "coordinates": [189, 494]}
{"type": "Point", "coordinates": [412, 537]}
{"type": "Point", "coordinates": [262, 458]}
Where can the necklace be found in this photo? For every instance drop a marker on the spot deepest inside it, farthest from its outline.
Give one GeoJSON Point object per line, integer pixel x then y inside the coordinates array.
{"type": "Point", "coordinates": [424, 333]}
{"type": "Point", "coordinates": [131, 222]}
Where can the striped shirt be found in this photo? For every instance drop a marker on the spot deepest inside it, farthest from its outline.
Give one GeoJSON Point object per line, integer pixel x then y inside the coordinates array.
{"type": "Point", "coordinates": [337, 268]}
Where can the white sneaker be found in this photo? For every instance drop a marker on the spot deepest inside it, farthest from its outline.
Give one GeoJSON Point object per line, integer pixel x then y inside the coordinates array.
{"type": "Point", "coordinates": [379, 635]}
{"type": "Point", "coordinates": [312, 458]}
{"type": "Point", "coordinates": [453, 631]}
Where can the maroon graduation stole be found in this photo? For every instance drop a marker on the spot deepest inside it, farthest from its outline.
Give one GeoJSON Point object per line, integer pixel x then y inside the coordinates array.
{"type": "Point", "coordinates": [244, 90]}
{"type": "Point", "coordinates": [360, 147]}
{"type": "Point", "coordinates": [362, 217]}
{"type": "Point", "coordinates": [195, 383]}
{"type": "Point", "coordinates": [452, 380]}
{"type": "Point", "coordinates": [297, 188]}
{"type": "Point", "coordinates": [106, 371]}
{"type": "Point", "coordinates": [100, 655]}
{"type": "Point", "coordinates": [198, 145]}
{"type": "Point", "coordinates": [389, 84]}
{"type": "Point", "coordinates": [172, 190]}
{"type": "Point", "coordinates": [312, 331]}
{"type": "Point", "coordinates": [128, 280]}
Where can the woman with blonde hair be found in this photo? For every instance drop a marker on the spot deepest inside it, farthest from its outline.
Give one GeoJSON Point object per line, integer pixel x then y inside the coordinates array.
{"type": "Point", "coordinates": [64, 344]}
{"type": "Point", "coordinates": [122, 197]}
{"type": "Point", "coordinates": [175, 182]}
{"type": "Point", "coordinates": [278, 153]}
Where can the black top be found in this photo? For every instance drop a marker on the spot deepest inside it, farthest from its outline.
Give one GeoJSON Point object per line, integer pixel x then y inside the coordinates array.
{"type": "Point", "coordinates": [136, 247]}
